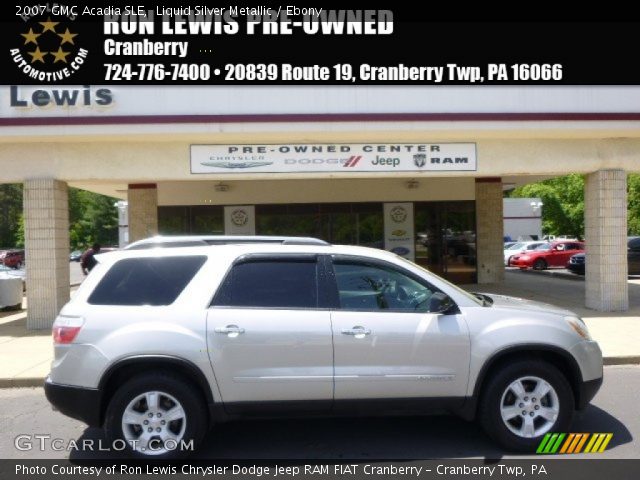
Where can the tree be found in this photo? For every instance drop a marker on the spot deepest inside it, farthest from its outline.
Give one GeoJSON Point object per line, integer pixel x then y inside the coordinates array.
{"type": "Point", "coordinates": [10, 213]}
{"type": "Point", "coordinates": [633, 192]}
{"type": "Point", "coordinates": [563, 199]}
{"type": "Point", "coordinates": [563, 203]}
{"type": "Point", "coordinates": [92, 218]}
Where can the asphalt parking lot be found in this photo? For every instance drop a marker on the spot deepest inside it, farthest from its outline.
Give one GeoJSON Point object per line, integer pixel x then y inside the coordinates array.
{"type": "Point", "coordinates": [27, 412]}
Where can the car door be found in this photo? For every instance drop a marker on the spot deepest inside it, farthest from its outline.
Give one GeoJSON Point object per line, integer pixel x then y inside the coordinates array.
{"type": "Point", "coordinates": [269, 338]}
{"type": "Point", "coordinates": [387, 345]}
{"type": "Point", "coordinates": [556, 255]}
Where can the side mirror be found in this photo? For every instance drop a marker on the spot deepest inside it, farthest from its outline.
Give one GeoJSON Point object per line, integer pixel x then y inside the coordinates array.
{"type": "Point", "coordinates": [440, 303]}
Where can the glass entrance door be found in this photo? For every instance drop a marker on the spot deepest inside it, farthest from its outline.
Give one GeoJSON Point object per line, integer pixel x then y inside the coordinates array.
{"type": "Point", "coordinates": [446, 239]}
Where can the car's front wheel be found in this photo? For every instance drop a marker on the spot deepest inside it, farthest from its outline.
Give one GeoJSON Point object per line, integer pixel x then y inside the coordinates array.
{"type": "Point", "coordinates": [539, 264]}
{"type": "Point", "coordinates": [156, 416]}
{"type": "Point", "coordinates": [524, 401]}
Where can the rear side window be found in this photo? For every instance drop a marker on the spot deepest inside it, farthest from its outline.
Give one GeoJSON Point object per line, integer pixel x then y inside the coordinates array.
{"type": "Point", "coordinates": [281, 283]}
{"type": "Point", "coordinates": [146, 281]}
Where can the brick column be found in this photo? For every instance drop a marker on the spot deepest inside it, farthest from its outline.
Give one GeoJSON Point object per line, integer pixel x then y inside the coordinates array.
{"type": "Point", "coordinates": [489, 230]}
{"type": "Point", "coordinates": [143, 210]}
{"type": "Point", "coordinates": [605, 219]}
{"type": "Point", "coordinates": [46, 229]}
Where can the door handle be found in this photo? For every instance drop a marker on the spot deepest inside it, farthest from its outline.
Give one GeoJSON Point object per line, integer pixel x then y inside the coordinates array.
{"type": "Point", "coordinates": [356, 331]}
{"type": "Point", "coordinates": [230, 329]}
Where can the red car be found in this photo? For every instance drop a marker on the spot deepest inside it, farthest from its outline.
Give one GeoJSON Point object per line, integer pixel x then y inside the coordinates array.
{"type": "Point", "coordinates": [555, 254]}
{"type": "Point", "coordinates": [12, 258]}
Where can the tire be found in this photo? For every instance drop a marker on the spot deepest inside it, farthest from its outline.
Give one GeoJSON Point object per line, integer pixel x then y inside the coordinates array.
{"type": "Point", "coordinates": [499, 398]}
{"type": "Point", "coordinates": [168, 392]}
{"type": "Point", "coordinates": [539, 264]}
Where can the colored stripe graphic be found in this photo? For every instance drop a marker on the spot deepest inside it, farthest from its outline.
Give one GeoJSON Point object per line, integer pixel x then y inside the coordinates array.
{"type": "Point", "coordinates": [592, 440]}
{"type": "Point", "coordinates": [606, 441]}
{"type": "Point", "coordinates": [566, 444]}
{"type": "Point", "coordinates": [574, 442]}
{"type": "Point", "coordinates": [543, 443]}
{"type": "Point", "coordinates": [581, 443]}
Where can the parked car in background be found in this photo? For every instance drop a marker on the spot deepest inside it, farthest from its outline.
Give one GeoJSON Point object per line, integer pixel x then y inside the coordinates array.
{"type": "Point", "coordinates": [577, 262]}
{"type": "Point", "coordinates": [12, 258]}
{"type": "Point", "coordinates": [75, 256]}
{"type": "Point", "coordinates": [547, 255]}
{"type": "Point", "coordinates": [518, 248]}
{"type": "Point", "coordinates": [509, 244]}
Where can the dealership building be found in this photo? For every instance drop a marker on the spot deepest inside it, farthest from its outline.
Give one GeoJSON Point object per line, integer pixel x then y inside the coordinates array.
{"type": "Point", "coordinates": [420, 171]}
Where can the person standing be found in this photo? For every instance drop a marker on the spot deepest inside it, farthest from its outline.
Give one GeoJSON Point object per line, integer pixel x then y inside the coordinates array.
{"type": "Point", "coordinates": [88, 261]}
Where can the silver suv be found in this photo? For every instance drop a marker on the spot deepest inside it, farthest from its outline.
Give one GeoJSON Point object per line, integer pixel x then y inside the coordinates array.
{"type": "Point", "coordinates": [159, 345]}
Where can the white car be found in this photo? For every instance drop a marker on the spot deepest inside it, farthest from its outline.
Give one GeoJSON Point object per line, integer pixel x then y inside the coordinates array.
{"type": "Point", "coordinates": [518, 248]}
{"type": "Point", "coordinates": [157, 346]}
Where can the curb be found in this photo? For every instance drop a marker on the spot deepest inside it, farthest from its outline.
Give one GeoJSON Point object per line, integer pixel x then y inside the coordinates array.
{"type": "Point", "coordinates": [39, 382]}
{"type": "Point", "coordinates": [21, 382]}
{"type": "Point", "coordinates": [551, 273]}
{"type": "Point", "coordinates": [628, 360]}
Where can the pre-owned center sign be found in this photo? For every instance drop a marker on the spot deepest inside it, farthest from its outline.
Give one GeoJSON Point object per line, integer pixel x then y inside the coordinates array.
{"type": "Point", "coordinates": [359, 157]}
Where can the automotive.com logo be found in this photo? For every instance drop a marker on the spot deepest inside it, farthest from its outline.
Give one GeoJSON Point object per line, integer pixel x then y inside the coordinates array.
{"type": "Point", "coordinates": [564, 443]}
{"type": "Point", "coordinates": [47, 48]}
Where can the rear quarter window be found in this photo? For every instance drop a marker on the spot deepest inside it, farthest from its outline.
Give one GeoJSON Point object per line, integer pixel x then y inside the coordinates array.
{"type": "Point", "coordinates": [146, 281]}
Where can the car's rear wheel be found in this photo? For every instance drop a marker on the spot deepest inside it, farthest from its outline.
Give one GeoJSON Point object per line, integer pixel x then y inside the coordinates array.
{"type": "Point", "coordinates": [523, 402]}
{"type": "Point", "coordinates": [156, 416]}
{"type": "Point", "coordinates": [539, 264]}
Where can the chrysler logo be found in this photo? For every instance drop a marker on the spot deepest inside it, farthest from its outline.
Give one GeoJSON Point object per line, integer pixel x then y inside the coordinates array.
{"type": "Point", "coordinates": [232, 165]}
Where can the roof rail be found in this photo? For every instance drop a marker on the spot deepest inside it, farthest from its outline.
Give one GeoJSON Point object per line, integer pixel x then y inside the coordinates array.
{"type": "Point", "coordinates": [172, 241]}
{"type": "Point", "coordinates": [305, 241]}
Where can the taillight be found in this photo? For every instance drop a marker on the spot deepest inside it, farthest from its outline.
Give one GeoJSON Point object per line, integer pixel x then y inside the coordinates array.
{"type": "Point", "coordinates": [66, 328]}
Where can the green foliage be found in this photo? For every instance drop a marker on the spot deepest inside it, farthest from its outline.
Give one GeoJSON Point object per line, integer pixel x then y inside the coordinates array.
{"type": "Point", "coordinates": [92, 218]}
{"type": "Point", "coordinates": [10, 214]}
{"type": "Point", "coordinates": [633, 192]}
{"type": "Point", "coordinates": [563, 199]}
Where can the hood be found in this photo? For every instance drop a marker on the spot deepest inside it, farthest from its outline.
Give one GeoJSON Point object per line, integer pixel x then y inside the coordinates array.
{"type": "Point", "coordinates": [504, 301]}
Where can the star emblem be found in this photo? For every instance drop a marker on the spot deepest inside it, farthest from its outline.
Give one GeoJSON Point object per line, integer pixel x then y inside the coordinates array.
{"type": "Point", "coordinates": [67, 37]}
{"type": "Point", "coordinates": [48, 25]}
{"type": "Point", "coordinates": [30, 37]}
{"type": "Point", "coordinates": [37, 55]}
{"type": "Point", "coordinates": [60, 55]}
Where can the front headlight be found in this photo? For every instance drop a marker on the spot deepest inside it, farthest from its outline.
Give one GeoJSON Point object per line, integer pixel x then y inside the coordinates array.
{"type": "Point", "coordinates": [579, 327]}
{"type": "Point", "coordinates": [523, 257]}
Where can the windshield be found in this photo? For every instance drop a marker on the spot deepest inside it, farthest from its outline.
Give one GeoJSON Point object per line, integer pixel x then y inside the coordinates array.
{"type": "Point", "coordinates": [515, 246]}
{"type": "Point", "coordinates": [544, 246]}
{"type": "Point", "coordinates": [459, 290]}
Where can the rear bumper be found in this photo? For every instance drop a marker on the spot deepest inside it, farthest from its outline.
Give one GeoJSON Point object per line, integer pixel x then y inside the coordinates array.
{"type": "Point", "coordinates": [80, 403]}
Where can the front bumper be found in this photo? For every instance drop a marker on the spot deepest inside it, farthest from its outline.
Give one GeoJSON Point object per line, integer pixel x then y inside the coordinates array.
{"type": "Point", "coordinates": [589, 358]}
{"type": "Point", "coordinates": [577, 268]}
{"type": "Point", "coordinates": [76, 402]}
{"type": "Point", "coordinates": [588, 390]}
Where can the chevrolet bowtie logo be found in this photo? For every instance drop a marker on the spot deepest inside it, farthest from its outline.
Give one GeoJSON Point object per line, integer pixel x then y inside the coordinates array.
{"type": "Point", "coordinates": [48, 29]}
